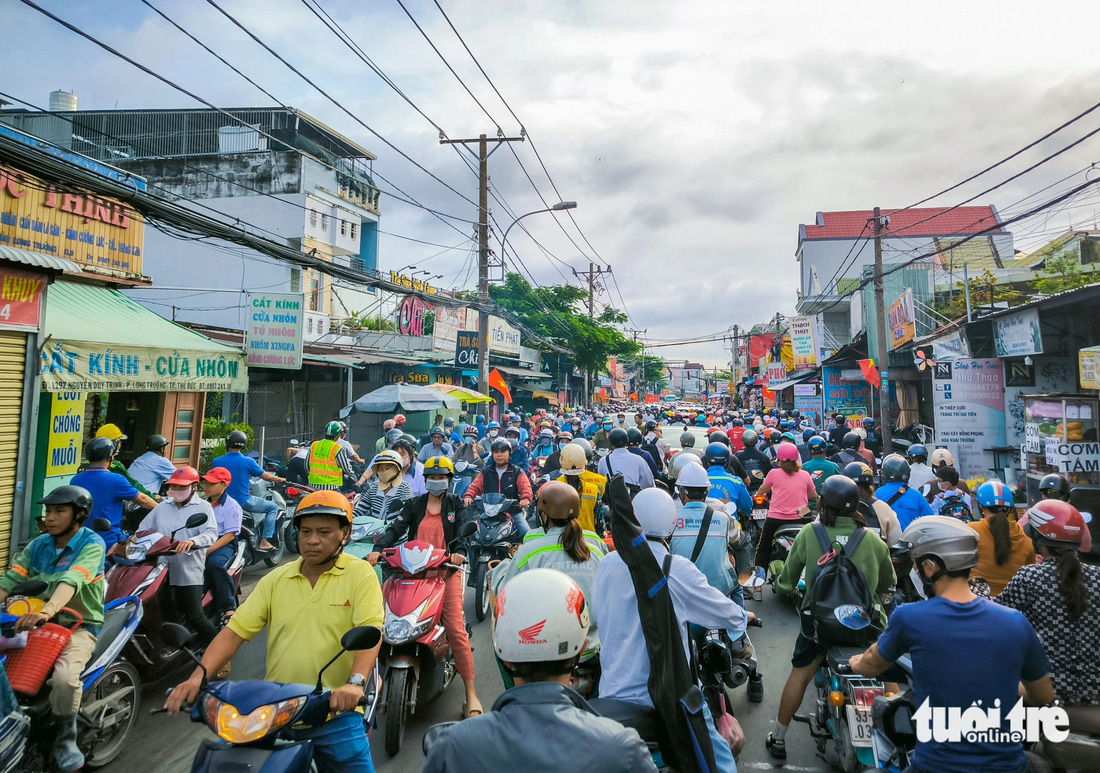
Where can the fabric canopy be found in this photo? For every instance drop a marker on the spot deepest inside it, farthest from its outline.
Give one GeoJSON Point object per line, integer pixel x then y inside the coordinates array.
{"type": "Point", "coordinates": [461, 393]}
{"type": "Point", "coordinates": [404, 397]}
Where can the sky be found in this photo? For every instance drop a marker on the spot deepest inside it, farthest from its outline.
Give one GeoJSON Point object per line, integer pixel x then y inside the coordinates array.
{"type": "Point", "coordinates": [695, 136]}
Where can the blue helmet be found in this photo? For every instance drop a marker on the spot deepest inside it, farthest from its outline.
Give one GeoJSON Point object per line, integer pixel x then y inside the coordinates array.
{"type": "Point", "coordinates": [916, 451]}
{"type": "Point", "coordinates": [789, 436]}
{"type": "Point", "coordinates": [480, 419]}
{"type": "Point", "coordinates": [493, 425]}
{"type": "Point", "coordinates": [716, 453]}
{"type": "Point", "coordinates": [868, 422]}
{"type": "Point", "coordinates": [994, 494]}
{"type": "Point", "coordinates": [817, 445]}
{"type": "Point", "coordinates": [808, 433]}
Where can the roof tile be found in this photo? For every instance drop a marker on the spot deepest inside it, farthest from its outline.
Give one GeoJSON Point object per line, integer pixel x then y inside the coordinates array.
{"type": "Point", "coordinates": [935, 221]}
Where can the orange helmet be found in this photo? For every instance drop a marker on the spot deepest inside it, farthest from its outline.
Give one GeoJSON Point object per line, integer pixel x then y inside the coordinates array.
{"type": "Point", "coordinates": [324, 503]}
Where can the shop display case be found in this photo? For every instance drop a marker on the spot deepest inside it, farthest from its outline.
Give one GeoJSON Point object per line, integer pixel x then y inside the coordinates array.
{"type": "Point", "coordinates": [1061, 436]}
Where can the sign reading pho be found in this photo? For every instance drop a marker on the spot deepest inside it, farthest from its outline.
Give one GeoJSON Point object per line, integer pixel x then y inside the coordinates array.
{"type": "Point", "coordinates": [273, 330]}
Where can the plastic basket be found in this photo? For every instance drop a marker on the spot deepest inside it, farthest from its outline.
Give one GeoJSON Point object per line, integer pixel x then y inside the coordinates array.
{"type": "Point", "coordinates": [28, 668]}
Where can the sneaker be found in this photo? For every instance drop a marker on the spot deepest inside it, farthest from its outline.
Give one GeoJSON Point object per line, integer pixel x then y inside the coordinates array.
{"type": "Point", "coordinates": [776, 747]}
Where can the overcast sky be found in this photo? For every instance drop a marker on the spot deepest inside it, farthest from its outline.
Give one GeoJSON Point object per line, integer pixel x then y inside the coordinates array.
{"type": "Point", "coordinates": [695, 136]}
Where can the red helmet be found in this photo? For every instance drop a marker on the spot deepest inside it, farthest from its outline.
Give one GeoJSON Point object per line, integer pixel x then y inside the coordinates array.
{"type": "Point", "coordinates": [1056, 523]}
{"type": "Point", "coordinates": [184, 476]}
{"type": "Point", "coordinates": [399, 419]}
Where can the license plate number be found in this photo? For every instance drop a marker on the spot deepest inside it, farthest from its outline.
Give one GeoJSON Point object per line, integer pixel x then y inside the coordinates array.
{"type": "Point", "coordinates": [859, 725]}
{"type": "Point", "coordinates": [760, 513]}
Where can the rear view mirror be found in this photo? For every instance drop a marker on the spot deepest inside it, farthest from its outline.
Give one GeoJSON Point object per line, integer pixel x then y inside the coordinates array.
{"type": "Point", "coordinates": [364, 637]}
{"type": "Point", "coordinates": [195, 521]}
{"type": "Point", "coordinates": [101, 524]}
{"type": "Point", "coordinates": [175, 635]}
{"type": "Point", "coordinates": [468, 529]}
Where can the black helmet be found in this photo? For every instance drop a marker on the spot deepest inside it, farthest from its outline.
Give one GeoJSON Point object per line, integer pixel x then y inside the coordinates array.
{"type": "Point", "coordinates": [633, 437]}
{"type": "Point", "coordinates": [840, 494]}
{"type": "Point", "coordinates": [500, 444]}
{"type": "Point", "coordinates": [851, 440]}
{"type": "Point", "coordinates": [795, 413]}
{"type": "Point", "coordinates": [749, 438]}
{"type": "Point", "coordinates": [687, 440]}
{"type": "Point", "coordinates": [738, 423]}
{"type": "Point", "coordinates": [720, 437]}
{"type": "Point", "coordinates": [437, 431]}
{"type": "Point", "coordinates": [404, 443]}
{"type": "Point", "coordinates": [894, 468]}
{"type": "Point", "coordinates": [860, 472]}
{"type": "Point", "coordinates": [618, 438]}
{"type": "Point", "coordinates": [99, 448]}
{"type": "Point", "coordinates": [156, 442]}
{"type": "Point", "coordinates": [1054, 486]}
{"type": "Point", "coordinates": [236, 439]}
{"type": "Point", "coordinates": [76, 496]}
{"type": "Point", "coordinates": [651, 425]}
{"type": "Point", "coordinates": [583, 443]}
{"type": "Point", "coordinates": [716, 453]}
{"type": "Point", "coordinates": [917, 451]}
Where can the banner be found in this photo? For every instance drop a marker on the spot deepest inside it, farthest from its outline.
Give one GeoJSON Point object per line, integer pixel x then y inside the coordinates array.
{"type": "Point", "coordinates": [901, 320]}
{"type": "Point", "coordinates": [1018, 335]}
{"type": "Point", "coordinates": [808, 403]}
{"type": "Point", "coordinates": [1088, 360]}
{"type": "Point", "coordinates": [804, 345]}
{"type": "Point", "coordinates": [952, 346]}
{"type": "Point", "coordinates": [969, 402]}
{"type": "Point", "coordinates": [65, 448]}
{"type": "Point", "coordinates": [759, 349]}
{"type": "Point", "coordinates": [466, 349]}
{"type": "Point", "coordinates": [81, 367]}
{"type": "Point", "coordinates": [273, 330]}
{"type": "Point", "coordinates": [448, 321]}
{"type": "Point", "coordinates": [20, 299]}
{"type": "Point", "coordinates": [503, 338]}
{"type": "Point", "coordinates": [851, 398]}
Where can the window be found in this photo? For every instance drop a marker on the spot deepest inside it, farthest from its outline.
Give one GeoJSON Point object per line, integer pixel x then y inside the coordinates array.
{"type": "Point", "coordinates": [353, 229]}
{"type": "Point", "coordinates": [343, 227]}
{"type": "Point", "coordinates": [296, 280]}
{"type": "Point", "coordinates": [313, 218]}
{"type": "Point", "coordinates": [324, 222]}
{"type": "Point", "coordinates": [315, 292]}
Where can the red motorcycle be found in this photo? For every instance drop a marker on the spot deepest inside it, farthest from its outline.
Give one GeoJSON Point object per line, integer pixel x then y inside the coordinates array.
{"type": "Point", "coordinates": [139, 572]}
{"type": "Point", "coordinates": [416, 659]}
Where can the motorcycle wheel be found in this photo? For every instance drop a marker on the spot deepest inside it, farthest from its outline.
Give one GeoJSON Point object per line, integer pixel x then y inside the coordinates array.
{"type": "Point", "coordinates": [277, 555]}
{"type": "Point", "coordinates": [481, 591]}
{"type": "Point", "coordinates": [848, 762]}
{"type": "Point", "coordinates": [118, 677]}
{"type": "Point", "coordinates": [397, 706]}
{"type": "Point", "coordinates": [290, 538]}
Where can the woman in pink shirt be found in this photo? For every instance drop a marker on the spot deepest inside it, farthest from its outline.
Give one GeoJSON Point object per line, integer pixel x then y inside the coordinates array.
{"type": "Point", "coordinates": [792, 490]}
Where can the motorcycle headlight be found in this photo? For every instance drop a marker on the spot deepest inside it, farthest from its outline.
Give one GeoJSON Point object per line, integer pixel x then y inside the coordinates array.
{"type": "Point", "coordinates": [398, 630]}
{"type": "Point", "coordinates": [135, 551]}
{"type": "Point", "coordinates": [358, 532]}
{"type": "Point", "coordinates": [231, 726]}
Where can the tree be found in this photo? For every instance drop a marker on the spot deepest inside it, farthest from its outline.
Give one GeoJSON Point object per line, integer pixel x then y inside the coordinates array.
{"type": "Point", "coordinates": [1061, 271]}
{"type": "Point", "coordinates": [653, 373]}
{"type": "Point", "coordinates": [984, 291]}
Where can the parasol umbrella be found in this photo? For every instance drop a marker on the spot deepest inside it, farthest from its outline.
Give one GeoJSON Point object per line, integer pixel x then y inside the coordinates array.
{"type": "Point", "coordinates": [401, 397]}
{"type": "Point", "coordinates": [461, 393]}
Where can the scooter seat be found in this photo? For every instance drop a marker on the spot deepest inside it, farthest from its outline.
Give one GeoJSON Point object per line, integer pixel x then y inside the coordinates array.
{"type": "Point", "coordinates": [838, 658]}
{"type": "Point", "coordinates": [644, 719]}
{"type": "Point", "coordinates": [114, 620]}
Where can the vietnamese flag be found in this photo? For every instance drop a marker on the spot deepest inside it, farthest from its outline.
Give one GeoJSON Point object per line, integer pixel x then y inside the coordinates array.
{"type": "Point", "coordinates": [634, 396]}
{"type": "Point", "coordinates": [496, 381]}
{"type": "Point", "coordinates": [870, 373]}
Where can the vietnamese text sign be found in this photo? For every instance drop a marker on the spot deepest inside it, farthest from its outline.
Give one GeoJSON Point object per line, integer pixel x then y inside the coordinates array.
{"type": "Point", "coordinates": [808, 402]}
{"type": "Point", "coordinates": [448, 321]}
{"type": "Point", "coordinates": [805, 390]}
{"type": "Point", "coordinates": [1018, 335]}
{"type": "Point", "coordinates": [1032, 439]}
{"type": "Point", "coordinates": [411, 317]}
{"type": "Point", "coordinates": [1089, 362]}
{"type": "Point", "coordinates": [65, 447]}
{"type": "Point", "coordinates": [851, 398]}
{"type": "Point", "coordinates": [1073, 456]}
{"type": "Point", "coordinates": [503, 338]}
{"type": "Point", "coordinates": [466, 349]}
{"type": "Point", "coordinates": [91, 230]}
{"type": "Point", "coordinates": [76, 366]}
{"type": "Point", "coordinates": [273, 330]}
{"type": "Point", "coordinates": [20, 299]}
{"type": "Point", "coordinates": [951, 346]}
{"type": "Point", "coordinates": [803, 342]}
{"type": "Point", "coordinates": [902, 322]}
{"type": "Point", "coordinates": [970, 413]}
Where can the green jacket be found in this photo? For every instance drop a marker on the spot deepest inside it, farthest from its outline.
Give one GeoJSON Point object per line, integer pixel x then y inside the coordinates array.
{"type": "Point", "coordinates": [600, 440]}
{"type": "Point", "coordinates": [120, 468]}
{"type": "Point", "coordinates": [872, 557]}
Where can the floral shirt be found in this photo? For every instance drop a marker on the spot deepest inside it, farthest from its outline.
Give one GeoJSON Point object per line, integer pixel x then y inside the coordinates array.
{"type": "Point", "coordinates": [1073, 646]}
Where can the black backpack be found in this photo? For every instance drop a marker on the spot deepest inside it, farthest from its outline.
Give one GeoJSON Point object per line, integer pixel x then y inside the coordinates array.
{"type": "Point", "coordinates": [870, 517]}
{"type": "Point", "coordinates": [838, 584]}
{"type": "Point", "coordinates": [650, 447]}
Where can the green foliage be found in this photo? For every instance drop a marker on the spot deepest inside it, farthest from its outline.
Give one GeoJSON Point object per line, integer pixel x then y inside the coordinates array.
{"type": "Point", "coordinates": [216, 428]}
{"type": "Point", "coordinates": [653, 372]}
{"type": "Point", "coordinates": [429, 322]}
{"type": "Point", "coordinates": [363, 321]}
{"type": "Point", "coordinates": [1061, 271]}
{"type": "Point", "coordinates": [984, 291]}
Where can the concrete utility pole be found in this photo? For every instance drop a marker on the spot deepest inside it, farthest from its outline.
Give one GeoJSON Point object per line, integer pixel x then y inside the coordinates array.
{"type": "Point", "coordinates": [639, 369]}
{"type": "Point", "coordinates": [735, 352]}
{"type": "Point", "coordinates": [593, 272]}
{"type": "Point", "coordinates": [880, 336]}
{"type": "Point", "coordinates": [483, 244]}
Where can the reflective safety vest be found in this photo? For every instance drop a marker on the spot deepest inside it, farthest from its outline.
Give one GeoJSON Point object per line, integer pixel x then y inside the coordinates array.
{"type": "Point", "coordinates": [592, 489]}
{"type": "Point", "coordinates": [323, 468]}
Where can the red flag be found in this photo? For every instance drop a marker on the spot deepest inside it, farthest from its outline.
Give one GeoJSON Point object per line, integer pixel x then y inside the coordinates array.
{"type": "Point", "coordinates": [496, 381]}
{"type": "Point", "coordinates": [603, 395]}
{"type": "Point", "coordinates": [651, 398]}
{"type": "Point", "coordinates": [634, 396]}
{"type": "Point", "coordinates": [870, 373]}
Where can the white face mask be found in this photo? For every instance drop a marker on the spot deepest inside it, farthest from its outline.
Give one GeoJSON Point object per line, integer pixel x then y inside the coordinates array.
{"type": "Point", "coordinates": [436, 487]}
{"type": "Point", "coordinates": [493, 433]}
{"type": "Point", "coordinates": [179, 496]}
{"type": "Point", "coordinates": [468, 441]}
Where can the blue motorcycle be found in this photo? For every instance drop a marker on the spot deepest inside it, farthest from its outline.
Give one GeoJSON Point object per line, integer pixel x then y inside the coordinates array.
{"type": "Point", "coordinates": [251, 718]}
{"type": "Point", "coordinates": [112, 689]}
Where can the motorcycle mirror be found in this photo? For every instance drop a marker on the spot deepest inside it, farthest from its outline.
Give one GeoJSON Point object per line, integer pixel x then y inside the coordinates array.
{"type": "Point", "coordinates": [175, 635]}
{"type": "Point", "coordinates": [101, 524]}
{"type": "Point", "coordinates": [468, 529]}
{"type": "Point", "coordinates": [29, 588]}
{"type": "Point", "coordinates": [435, 732]}
{"type": "Point", "coordinates": [195, 521]}
{"type": "Point", "coordinates": [364, 637]}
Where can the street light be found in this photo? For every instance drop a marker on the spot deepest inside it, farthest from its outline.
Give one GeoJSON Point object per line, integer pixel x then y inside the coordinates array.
{"type": "Point", "coordinates": [561, 206]}
{"type": "Point", "coordinates": [406, 268]}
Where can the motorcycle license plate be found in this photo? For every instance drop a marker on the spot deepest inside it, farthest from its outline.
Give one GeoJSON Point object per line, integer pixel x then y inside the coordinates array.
{"type": "Point", "coordinates": [859, 725]}
{"type": "Point", "coordinates": [759, 513]}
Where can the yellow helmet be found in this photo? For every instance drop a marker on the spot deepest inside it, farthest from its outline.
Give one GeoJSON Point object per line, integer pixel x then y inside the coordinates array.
{"type": "Point", "coordinates": [111, 432]}
{"type": "Point", "coordinates": [324, 503]}
{"type": "Point", "coordinates": [439, 465]}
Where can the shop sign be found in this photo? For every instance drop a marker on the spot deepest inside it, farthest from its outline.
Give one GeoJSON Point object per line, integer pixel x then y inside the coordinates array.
{"type": "Point", "coordinates": [970, 413]}
{"type": "Point", "coordinates": [20, 299]}
{"type": "Point", "coordinates": [1072, 457]}
{"type": "Point", "coordinates": [1018, 335]}
{"type": "Point", "coordinates": [808, 402]}
{"type": "Point", "coordinates": [466, 349]}
{"type": "Point", "coordinates": [1089, 362]}
{"type": "Point", "coordinates": [804, 342]}
{"type": "Point", "coordinates": [851, 398]}
{"type": "Point", "coordinates": [75, 366]}
{"type": "Point", "coordinates": [902, 321]}
{"type": "Point", "coordinates": [409, 377]}
{"type": "Point", "coordinates": [412, 284]}
{"type": "Point", "coordinates": [805, 390]}
{"type": "Point", "coordinates": [411, 318]}
{"type": "Point", "coordinates": [64, 449]}
{"type": "Point", "coordinates": [952, 346]}
{"type": "Point", "coordinates": [94, 231]}
{"type": "Point", "coordinates": [273, 330]}
{"type": "Point", "coordinates": [448, 321]}
{"type": "Point", "coordinates": [503, 338]}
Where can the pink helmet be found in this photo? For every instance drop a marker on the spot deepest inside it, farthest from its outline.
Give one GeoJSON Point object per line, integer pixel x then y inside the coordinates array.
{"type": "Point", "coordinates": [787, 452]}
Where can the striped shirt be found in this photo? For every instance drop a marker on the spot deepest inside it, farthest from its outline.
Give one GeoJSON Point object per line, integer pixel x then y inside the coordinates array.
{"type": "Point", "coordinates": [384, 505]}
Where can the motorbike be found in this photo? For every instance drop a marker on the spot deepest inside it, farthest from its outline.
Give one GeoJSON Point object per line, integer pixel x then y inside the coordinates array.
{"type": "Point", "coordinates": [365, 529]}
{"type": "Point", "coordinates": [112, 687]}
{"type": "Point", "coordinates": [251, 718]}
{"type": "Point", "coordinates": [252, 528]}
{"type": "Point", "coordinates": [465, 472]}
{"type": "Point", "coordinates": [493, 541]}
{"type": "Point", "coordinates": [292, 494]}
{"type": "Point", "coordinates": [781, 548]}
{"type": "Point", "coordinates": [416, 661]}
{"type": "Point", "coordinates": [139, 573]}
{"type": "Point", "coordinates": [719, 668]}
{"type": "Point", "coordinates": [755, 523]}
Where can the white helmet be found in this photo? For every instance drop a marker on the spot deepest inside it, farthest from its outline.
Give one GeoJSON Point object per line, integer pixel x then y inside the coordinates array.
{"type": "Point", "coordinates": [681, 460]}
{"type": "Point", "coordinates": [941, 456]}
{"type": "Point", "coordinates": [656, 512]}
{"type": "Point", "coordinates": [541, 616]}
{"type": "Point", "coordinates": [573, 460]}
{"type": "Point", "coordinates": [693, 476]}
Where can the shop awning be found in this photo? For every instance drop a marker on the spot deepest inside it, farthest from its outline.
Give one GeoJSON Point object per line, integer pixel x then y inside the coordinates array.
{"type": "Point", "coordinates": [460, 393]}
{"type": "Point", "coordinates": [550, 397]}
{"type": "Point", "coordinates": [794, 378]}
{"type": "Point", "coordinates": [98, 340]}
{"type": "Point", "coordinates": [533, 375]}
{"type": "Point", "coordinates": [39, 260]}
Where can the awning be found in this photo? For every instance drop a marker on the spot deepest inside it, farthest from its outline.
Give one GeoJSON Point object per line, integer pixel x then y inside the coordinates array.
{"type": "Point", "coordinates": [39, 260]}
{"type": "Point", "coordinates": [331, 359]}
{"type": "Point", "coordinates": [550, 397]}
{"type": "Point", "coordinates": [533, 375]}
{"type": "Point", "coordinates": [460, 393]}
{"type": "Point", "coordinates": [794, 378]}
{"type": "Point", "coordinates": [98, 340]}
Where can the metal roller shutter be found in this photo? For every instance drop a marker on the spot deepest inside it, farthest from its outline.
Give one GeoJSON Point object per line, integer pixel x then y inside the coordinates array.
{"type": "Point", "coordinates": [12, 362]}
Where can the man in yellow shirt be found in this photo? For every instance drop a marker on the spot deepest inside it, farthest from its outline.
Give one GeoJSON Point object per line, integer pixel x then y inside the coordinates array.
{"type": "Point", "coordinates": [307, 607]}
{"type": "Point", "coordinates": [589, 485]}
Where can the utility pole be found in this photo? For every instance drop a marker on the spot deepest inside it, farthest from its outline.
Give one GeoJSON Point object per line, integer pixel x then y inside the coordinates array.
{"type": "Point", "coordinates": [639, 363]}
{"type": "Point", "coordinates": [593, 272]}
{"type": "Point", "coordinates": [483, 243]}
{"type": "Point", "coordinates": [880, 338]}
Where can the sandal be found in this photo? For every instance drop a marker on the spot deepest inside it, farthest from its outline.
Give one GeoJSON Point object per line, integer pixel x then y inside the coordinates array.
{"type": "Point", "coordinates": [468, 711]}
{"type": "Point", "coordinates": [776, 747]}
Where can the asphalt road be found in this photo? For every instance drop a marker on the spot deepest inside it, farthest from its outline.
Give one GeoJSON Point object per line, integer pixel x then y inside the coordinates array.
{"type": "Point", "coordinates": [167, 744]}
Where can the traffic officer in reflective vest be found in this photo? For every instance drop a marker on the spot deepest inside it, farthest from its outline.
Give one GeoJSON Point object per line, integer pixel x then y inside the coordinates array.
{"type": "Point", "coordinates": [328, 460]}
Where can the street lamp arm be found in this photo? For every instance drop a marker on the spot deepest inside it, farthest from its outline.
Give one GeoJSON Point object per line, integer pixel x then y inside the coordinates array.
{"type": "Point", "coordinates": [560, 206]}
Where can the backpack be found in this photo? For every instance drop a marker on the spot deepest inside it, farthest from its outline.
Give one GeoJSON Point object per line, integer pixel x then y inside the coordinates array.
{"type": "Point", "coordinates": [838, 587]}
{"type": "Point", "coordinates": [650, 447]}
{"type": "Point", "coordinates": [870, 517]}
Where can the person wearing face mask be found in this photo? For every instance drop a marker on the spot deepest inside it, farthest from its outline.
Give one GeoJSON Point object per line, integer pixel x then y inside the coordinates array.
{"type": "Point", "coordinates": [544, 447]}
{"type": "Point", "coordinates": [187, 568]}
{"type": "Point", "coordinates": [470, 450]}
{"type": "Point", "coordinates": [386, 490]}
{"type": "Point", "coordinates": [503, 477]}
{"type": "Point", "coordinates": [553, 461]}
{"type": "Point", "coordinates": [601, 439]}
{"type": "Point", "coordinates": [436, 518]}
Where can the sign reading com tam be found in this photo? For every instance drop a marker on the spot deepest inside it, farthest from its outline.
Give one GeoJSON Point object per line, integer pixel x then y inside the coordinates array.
{"type": "Point", "coordinates": [77, 366]}
{"type": "Point", "coordinates": [273, 330]}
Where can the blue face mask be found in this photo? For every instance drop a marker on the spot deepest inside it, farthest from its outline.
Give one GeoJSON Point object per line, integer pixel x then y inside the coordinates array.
{"type": "Point", "coordinates": [561, 446]}
{"type": "Point", "coordinates": [468, 441]}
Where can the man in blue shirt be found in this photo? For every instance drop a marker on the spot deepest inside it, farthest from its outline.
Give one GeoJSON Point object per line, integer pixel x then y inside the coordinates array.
{"type": "Point", "coordinates": [243, 469]}
{"type": "Point", "coordinates": [906, 502]}
{"type": "Point", "coordinates": [151, 469]}
{"type": "Point", "coordinates": [108, 489]}
{"type": "Point", "coordinates": [965, 650]}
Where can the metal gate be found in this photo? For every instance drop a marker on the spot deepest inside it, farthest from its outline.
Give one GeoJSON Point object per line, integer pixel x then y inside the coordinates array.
{"type": "Point", "coordinates": [13, 347]}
